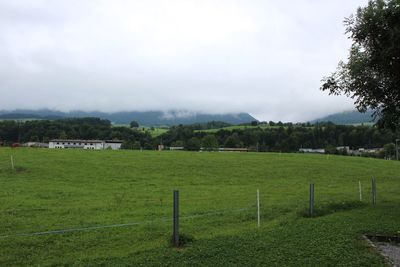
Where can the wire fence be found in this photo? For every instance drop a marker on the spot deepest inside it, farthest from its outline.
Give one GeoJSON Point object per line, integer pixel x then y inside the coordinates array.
{"type": "Point", "coordinates": [7, 165]}
{"type": "Point", "coordinates": [89, 228]}
{"type": "Point", "coordinates": [259, 206]}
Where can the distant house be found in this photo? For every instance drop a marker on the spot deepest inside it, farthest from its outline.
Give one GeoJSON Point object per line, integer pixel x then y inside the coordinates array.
{"type": "Point", "coordinates": [312, 150]}
{"type": "Point", "coordinates": [85, 144]}
{"type": "Point", "coordinates": [36, 144]}
{"type": "Point", "coordinates": [343, 148]}
{"type": "Point", "coordinates": [112, 144]}
{"type": "Point", "coordinates": [176, 148]}
{"type": "Point", "coordinates": [233, 149]}
{"type": "Point", "coordinates": [365, 151]}
{"type": "Point", "coordinates": [370, 150]}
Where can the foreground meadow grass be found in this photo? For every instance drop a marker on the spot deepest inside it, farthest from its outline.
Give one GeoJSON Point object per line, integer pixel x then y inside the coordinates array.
{"type": "Point", "coordinates": [131, 192]}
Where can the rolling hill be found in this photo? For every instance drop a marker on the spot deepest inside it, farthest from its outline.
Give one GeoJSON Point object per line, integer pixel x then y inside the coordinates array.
{"type": "Point", "coordinates": [147, 118]}
{"type": "Point", "coordinates": [348, 117]}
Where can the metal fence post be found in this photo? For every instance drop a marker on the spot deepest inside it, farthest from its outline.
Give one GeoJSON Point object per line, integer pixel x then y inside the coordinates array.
{"type": "Point", "coordinates": [176, 219]}
{"type": "Point", "coordinates": [374, 191]}
{"type": "Point", "coordinates": [258, 208]}
{"type": "Point", "coordinates": [311, 200]}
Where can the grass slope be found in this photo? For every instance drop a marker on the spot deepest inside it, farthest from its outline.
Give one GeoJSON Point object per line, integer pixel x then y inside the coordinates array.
{"type": "Point", "coordinates": [238, 127]}
{"type": "Point", "coordinates": [69, 189]}
{"type": "Point", "coordinates": [153, 131]}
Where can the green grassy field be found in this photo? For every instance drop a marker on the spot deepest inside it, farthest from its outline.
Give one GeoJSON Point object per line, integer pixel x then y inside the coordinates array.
{"type": "Point", "coordinates": [241, 127]}
{"type": "Point", "coordinates": [237, 127]}
{"type": "Point", "coordinates": [156, 131]}
{"type": "Point", "coordinates": [78, 190]}
{"type": "Point", "coordinates": [153, 131]}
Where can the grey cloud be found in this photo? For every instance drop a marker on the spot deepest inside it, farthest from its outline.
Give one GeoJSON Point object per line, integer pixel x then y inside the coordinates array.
{"type": "Point", "coordinates": [262, 57]}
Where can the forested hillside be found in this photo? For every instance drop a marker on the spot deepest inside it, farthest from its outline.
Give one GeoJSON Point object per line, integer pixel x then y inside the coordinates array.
{"type": "Point", "coordinates": [280, 137]}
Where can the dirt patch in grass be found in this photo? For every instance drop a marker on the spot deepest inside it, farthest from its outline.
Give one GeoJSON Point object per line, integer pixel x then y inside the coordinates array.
{"type": "Point", "coordinates": [20, 169]}
{"type": "Point", "coordinates": [184, 240]}
{"type": "Point", "coordinates": [16, 170]}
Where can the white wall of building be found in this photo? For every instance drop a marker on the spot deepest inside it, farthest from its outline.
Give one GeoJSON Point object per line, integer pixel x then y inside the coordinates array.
{"type": "Point", "coordinates": [93, 145]}
{"type": "Point", "coordinates": [113, 146]}
{"type": "Point", "coordinates": [84, 144]}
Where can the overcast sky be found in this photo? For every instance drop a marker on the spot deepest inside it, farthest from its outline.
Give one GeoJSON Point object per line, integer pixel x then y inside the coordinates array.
{"type": "Point", "coordinates": [263, 57]}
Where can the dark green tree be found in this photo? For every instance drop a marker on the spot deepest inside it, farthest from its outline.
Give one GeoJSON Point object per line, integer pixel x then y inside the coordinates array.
{"type": "Point", "coordinates": [193, 144]}
{"type": "Point", "coordinates": [372, 74]}
{"type": "Point", "coordinates": [389, 150]}
{"type": "Point", "coordinates": [136, 145]}
{"type": "Point", "coordinates": [63, 135]}
{"type": "Point", "coordinates": [134, 124]}
{"type": "Point", "coordinates": [210, 142]}
{"type": "Point", "coordinates": [233, 141]}
{"type": "Point", "coordinates": [178, 143]}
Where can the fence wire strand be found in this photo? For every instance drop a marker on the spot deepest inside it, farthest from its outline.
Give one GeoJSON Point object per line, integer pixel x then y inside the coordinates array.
{"type": "Point", "coordinates": [89, 228]}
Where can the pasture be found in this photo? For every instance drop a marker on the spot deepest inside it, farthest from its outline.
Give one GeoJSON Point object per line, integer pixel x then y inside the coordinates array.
{"type": "Point", "coordinates": [83, 208]}
{"type": "Point", "coordinates": [238, 127]}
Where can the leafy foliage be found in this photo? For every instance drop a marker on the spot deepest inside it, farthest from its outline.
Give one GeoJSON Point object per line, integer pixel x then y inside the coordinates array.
{"type": "Point", "coordinates": [289, 138]}
{"type": "Point", "coordinates": [285, 138]}
{"type": "Point", "coordinates": [233, 141]}
{"type": "Point", "coordinates": [210, 142]}
{"type": "Point", "coordinates": [193, 144]}
{"type": "Point", "coordinates": [134, 124]}
{"type": "Point", "coordinates": [372, 74]}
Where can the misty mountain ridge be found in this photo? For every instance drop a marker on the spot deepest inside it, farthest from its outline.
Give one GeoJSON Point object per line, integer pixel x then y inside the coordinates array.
{"type": "Point", "coordinates": [147, 118]}
{"type": "Point", "coordinates": [348, 117]}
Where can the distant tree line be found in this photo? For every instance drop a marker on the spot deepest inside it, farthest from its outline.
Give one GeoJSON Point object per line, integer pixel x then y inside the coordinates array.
{"type": "Point", "coordinates": [284, 137]}
{"type": "Point", "coordinates": [79, 128]}
{"type": "Point", "coordinates": [281, 137]}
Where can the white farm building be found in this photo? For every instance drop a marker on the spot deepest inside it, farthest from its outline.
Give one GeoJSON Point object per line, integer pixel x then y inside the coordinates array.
{"type": "Point", "coordinates": [85, 144]}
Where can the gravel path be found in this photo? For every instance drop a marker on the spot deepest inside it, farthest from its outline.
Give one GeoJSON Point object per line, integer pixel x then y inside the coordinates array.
{"type": "Point", "coordinates": [391, 251]}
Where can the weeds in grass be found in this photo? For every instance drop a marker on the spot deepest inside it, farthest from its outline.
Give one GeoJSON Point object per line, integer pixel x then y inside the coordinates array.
{"type": "Point", "coordinates": [17, 169]}
{"type": "Point", "coordinates": [322, 210]}
{"type": "Point", "coordinates": [184, 240]}
{"type": "Point", "coordinates": [119, 198]}
{"type": "Point", "coordinates": [86, 189]}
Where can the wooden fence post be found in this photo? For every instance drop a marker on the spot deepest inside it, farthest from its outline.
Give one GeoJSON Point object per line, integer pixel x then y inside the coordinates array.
{"type": "Point", "coordinates": [12, 162]}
